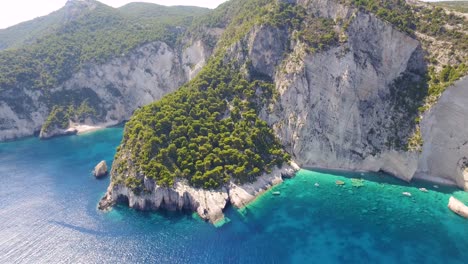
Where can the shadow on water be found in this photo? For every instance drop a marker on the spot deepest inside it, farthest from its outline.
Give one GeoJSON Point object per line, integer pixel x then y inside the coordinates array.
{"type": "Point", "coordinates": [101, 178]}
{"type": "Point", "coordinates": [81, 229]}
{"type": "Point", "coordinates": [155, 216]}
{"type": "Point", "coordinates": [385, 178]}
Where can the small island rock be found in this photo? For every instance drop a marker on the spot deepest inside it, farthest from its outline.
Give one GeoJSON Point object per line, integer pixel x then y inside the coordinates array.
{"type": "Point", "coordinates": [458, 207]}
{"type": "Point", "coordinates": [100, 170]}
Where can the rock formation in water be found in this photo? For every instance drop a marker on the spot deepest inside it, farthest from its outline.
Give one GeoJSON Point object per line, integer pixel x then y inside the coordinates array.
{"type": "Point", "coordinates": [100, 170]}
{"type": "Point", "coordinates": [458, 207]}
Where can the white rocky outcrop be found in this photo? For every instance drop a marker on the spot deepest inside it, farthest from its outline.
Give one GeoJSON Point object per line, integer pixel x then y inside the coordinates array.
{"type": "Point", "coordinates": [241, 195]}
{"type": "Point", "coordinates": [73, 128]}
{"type": "Point", "coordinates": [100, 170]}
{"type": "Point", "coordinates": [54, 132]}
{"type": "Point", "coordinates": [458, 207]}
{"type": "Point", "coordinates": [209, 204]}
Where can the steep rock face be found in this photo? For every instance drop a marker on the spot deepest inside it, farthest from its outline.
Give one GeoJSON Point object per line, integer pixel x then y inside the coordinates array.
{"type": "Point", "coordinates": [445, 134]}
{"type": "Point", "coordinates": [345, 107]}
{"type": "Point", "coordinates": [209, 204]}
{"type": "Point", "coordinates": [20, 114]}
{"type": "Point", "coordinates": [262, 49]}
{"type": "Point", "coordinates": [266, 46]}
{"type": "Point", "coordinates": [116, 88]}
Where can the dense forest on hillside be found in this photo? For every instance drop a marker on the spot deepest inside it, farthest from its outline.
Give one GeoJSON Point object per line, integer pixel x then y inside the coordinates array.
{"type": "Point", "coordinates": [95, 36]}
{"type": "Point", "coordinates": [207, 132]}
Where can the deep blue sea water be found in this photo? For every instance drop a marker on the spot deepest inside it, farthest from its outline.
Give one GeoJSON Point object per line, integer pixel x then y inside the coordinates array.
{"type": "Point", "coordinates": [48, 214]}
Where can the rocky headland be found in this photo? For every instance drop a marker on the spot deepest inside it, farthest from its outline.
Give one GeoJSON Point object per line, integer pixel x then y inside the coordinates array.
{"type": "Point", "coordinates": [208, 204]}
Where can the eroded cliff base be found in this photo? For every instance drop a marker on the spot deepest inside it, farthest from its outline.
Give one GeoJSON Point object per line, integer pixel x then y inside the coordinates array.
{"type": "Point", "coordinates": [208, 204]}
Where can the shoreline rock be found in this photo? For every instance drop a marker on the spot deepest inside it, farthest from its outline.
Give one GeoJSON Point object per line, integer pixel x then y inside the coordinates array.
{"type": "Point", "coordinates": [209, 204]}
{"type": "Point", "coordinates": [57, 133]}
{"type": "Point", "coordinates": [73, 129]}
{"type": "Point", "coordinates": [417, 176]}
{"type": "Point", "coordinates": [458, 207]}
{"type": "Point", "coordinates": [82, 129]}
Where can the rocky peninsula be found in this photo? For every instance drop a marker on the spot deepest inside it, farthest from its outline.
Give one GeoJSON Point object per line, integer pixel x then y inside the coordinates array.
{"type": "Point", "coordinates": [208, 204]}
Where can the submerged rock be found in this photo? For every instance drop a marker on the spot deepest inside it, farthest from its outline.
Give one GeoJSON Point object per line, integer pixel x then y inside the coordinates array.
{"type": "Point", "coordinates": [338, 182]}
{"type": "Point", "coordinates": [458, 207]}
{"type": "Point", "coordinates": [357, 182]}
{"type": "Point", "coordinates": [100, 170]}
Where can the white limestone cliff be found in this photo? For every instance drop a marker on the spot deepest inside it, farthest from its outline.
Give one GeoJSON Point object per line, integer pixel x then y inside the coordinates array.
{"type": "Point", "coordinates": [208, 204]}
{"type": "Point", "coordinates": [444, 130]}
{"type": "Point", "coordinates": [338, 108]}
{"type": "Point", "coordinates": [118, 87]}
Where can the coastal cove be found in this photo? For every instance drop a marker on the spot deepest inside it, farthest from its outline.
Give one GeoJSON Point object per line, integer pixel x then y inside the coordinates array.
{"type": "Point", "coordinates": [48, 214]}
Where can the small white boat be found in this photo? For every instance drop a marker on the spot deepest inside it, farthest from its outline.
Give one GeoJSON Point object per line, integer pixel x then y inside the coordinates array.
{"type": "Point", "coordinates": [406, 194]}
{"type": "Point", "coordinates": [316, 184]}
{"type": "Point", "coordinates": [276, 193]}
{"type": "Point", "coordinates": [423, 189]}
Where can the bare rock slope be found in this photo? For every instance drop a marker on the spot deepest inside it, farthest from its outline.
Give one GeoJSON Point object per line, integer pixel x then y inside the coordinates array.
{"type": "Point", "coordinates": [115, 88]}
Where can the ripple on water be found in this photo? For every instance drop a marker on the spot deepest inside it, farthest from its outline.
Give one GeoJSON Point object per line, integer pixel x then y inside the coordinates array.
{"type": "Point", "coordinates": [48, 214]}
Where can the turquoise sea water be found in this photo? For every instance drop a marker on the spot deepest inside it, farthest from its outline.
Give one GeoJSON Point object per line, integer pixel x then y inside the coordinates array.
{"type": "Point", "coordinates": [48, 214]}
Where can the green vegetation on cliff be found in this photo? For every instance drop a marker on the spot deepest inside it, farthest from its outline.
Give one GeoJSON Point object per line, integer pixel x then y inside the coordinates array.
{"type": "Point", "coordinates": [94, 36]}
{"type": "Point", "coordinates": [396, 12]}
{"type": "Point", "coordinates": [207, 132]}
{"type": "Point", "coordinates": [239, 17]}
{"type": "Point", "coordinates": [432, 21]}
{"type": "Point", "coordinates": [459, 6]}
{"type": "Point", "coordinates": [60, 116]}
